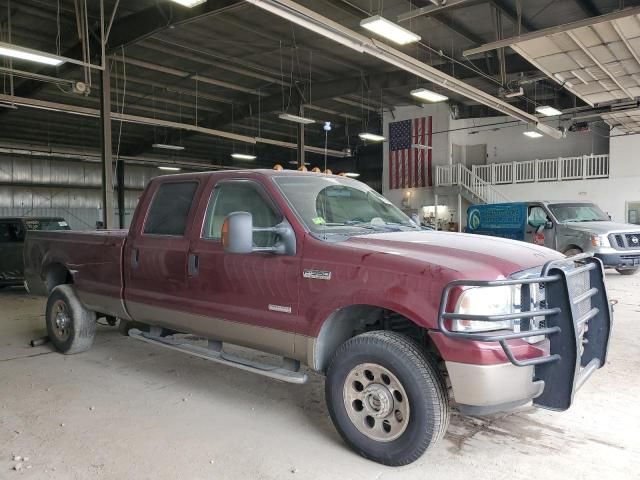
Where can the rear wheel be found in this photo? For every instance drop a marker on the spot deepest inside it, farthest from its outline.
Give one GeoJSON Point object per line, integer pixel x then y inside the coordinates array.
{"type": "Point", "coordinates": [386, 397]}
{"type": "Point", "coordinates": [627, 271]}
{"type": "Point", "coordinates": [70, 325]}
{"type": "Point", "coordinates": [572, 251]}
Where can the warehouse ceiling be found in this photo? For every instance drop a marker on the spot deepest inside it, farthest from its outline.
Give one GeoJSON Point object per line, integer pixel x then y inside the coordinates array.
{"type": "Point", "coordinates": [598, 63]}
{"type": "Point", "coordinates": [228, 66]}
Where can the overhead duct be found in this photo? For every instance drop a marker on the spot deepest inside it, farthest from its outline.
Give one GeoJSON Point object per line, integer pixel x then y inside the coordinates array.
{"type": "Point", "coordinates": [326, 27]}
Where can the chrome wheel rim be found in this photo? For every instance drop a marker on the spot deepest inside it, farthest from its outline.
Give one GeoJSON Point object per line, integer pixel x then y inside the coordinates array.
{"type": "Point", "coordinates": [376, 402]}
{"type": "Point", "coordinates": [61, 320]}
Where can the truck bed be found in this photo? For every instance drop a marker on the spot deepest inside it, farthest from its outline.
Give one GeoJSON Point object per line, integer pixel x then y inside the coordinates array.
{"type": "Point", "coordinates": [93, 258]}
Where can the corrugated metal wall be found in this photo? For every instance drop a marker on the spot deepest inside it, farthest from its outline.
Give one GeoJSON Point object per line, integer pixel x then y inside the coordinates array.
{"type": "Point", "coordinates": [32, 185]}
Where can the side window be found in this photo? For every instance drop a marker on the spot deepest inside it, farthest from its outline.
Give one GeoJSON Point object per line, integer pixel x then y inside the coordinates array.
{"type": "Point", "coordinates": [241, 196]}
{"type": "Point", "coordinates": [537, 216]}
{"type": "Point", "coordinates": [11, 232]}
{"type": "Point", "coordinates": [170, 208]}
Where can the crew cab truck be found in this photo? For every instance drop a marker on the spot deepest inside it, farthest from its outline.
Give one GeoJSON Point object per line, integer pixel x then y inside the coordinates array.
{"type": "Point", "coordinates": [571, 227]}
{"type": "Point", "coordinates": [322, 270]}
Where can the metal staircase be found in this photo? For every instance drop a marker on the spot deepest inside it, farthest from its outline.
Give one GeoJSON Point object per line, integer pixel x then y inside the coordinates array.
{"type": "Point", "coordinates": [471, 186]}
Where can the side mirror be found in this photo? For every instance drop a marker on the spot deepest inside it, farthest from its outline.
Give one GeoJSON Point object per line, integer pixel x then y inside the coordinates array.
{"type": "Point", "coordinates": [237, 235]}
{"type": "Point", "coordinates": [548, 225]}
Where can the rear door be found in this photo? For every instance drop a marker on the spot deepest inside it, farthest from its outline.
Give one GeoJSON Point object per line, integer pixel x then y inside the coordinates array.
{"type": "Point", "coordinates": [155, 258]}
{"type": "Point", "coordinates": [11, 252]}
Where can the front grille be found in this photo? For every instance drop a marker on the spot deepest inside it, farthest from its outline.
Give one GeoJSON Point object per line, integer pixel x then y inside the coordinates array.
{"type": "Point", "coordinates": [625, 241]}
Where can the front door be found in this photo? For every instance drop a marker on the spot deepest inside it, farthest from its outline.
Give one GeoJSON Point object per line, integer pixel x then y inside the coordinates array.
{"type": "Point", "coordinates": [156, 256]}
{"type": "Point", "coordinates": [536, 230]}
{"type": "Point", "coordinates": [248, 299]}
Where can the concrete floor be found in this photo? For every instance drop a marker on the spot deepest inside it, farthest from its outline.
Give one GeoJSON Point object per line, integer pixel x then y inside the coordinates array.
{"type": "Point", "coordinates": [126, 409]}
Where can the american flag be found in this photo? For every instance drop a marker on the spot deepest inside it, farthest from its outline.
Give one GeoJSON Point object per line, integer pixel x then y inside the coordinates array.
{"type": "Point", "coordinates": [410, 153]}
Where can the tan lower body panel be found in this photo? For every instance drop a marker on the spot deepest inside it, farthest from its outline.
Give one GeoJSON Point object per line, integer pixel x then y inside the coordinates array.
{"type": "Point", "coordinates": [485, 385]}
{"type": "Point", "coordinates": [104, 304]}
{"type": "Point", "coordinates": [265, 339]}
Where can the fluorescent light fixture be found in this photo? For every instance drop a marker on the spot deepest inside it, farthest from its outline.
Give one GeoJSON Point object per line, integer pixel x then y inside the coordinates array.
{"type": "Point", "coordinates": [296, 118]}
{"type": "Point", "coordinates": [166, 146]}
{"type": "Point", "coordinates": [352, 174]}
{"type": "Point", "coordinates": [532, 134]}
{"type": "Point", "coordinates": [170, 169]}
{"type": "Point", "coordinates": [8, 105]}
{"type": "Point", "coordinates": [243, 156]}
{"type": "Point", "coordinates": [548, 111]}
{"type": "Point", "coordinates": [371, 137]}
{"type": "Point", "coordinates": [389, 30]}
{"type": "Point", "coordinates": [22, 53]}
{"type": "Point", "coordinates": [428, 95]}
{"type": "Point", "coordinates": [189, 3]}
{"type": "Point", "coordinates": [293, 162]}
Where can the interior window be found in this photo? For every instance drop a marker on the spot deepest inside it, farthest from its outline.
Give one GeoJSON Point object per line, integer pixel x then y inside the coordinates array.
{"type": "Point", "coordinates": [537, 216]}
{"type": "Point", "coordinates": [170, 208]}
{"type": "Point", "coordinates": [241, 196]}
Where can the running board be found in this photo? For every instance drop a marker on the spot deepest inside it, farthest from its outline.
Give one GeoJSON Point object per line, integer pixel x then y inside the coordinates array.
{"type": "Point", "coordinates": [215, 353]}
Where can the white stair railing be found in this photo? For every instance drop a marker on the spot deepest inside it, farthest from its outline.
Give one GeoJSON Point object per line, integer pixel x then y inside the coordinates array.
{"type": "Point", "coordinates": [460, 176]}
{"type": "Point", "coordinates": [545, 170]}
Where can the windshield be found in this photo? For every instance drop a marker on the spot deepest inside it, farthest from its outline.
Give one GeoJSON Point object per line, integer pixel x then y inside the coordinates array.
{"type": "Point", "coordinates": [335, 206]}
{"type": "Point", "coordinates": [578, 212]}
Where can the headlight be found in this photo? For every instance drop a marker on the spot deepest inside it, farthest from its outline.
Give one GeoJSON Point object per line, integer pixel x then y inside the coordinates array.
{"type": "Point", "coordinates": [600, 241]}
{"type": "Point", "coordinates": [487, 301]}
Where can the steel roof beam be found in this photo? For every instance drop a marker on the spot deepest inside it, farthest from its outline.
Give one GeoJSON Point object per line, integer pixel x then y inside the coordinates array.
{"type": "Point", "coordinates": [507, 42]}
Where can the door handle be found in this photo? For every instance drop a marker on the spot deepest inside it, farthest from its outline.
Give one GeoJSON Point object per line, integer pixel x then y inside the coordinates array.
{"type": "Point", "coordinates": [135, 257]}
{"type": "Point", "coordinates": [193, 264]}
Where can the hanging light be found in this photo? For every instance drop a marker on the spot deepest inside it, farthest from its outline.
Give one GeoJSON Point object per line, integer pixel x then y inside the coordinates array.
{"type": "Point", "coordinates": [169, 169]}
{"type": "Point", "coordinates": [189, 3]}
{"type": "Point", "coordinates": [532, 134]}
{"type": "Point", "coordinates": [296, 118]}
{"type": "Point", "coordinates": [389, 30]}
{"type": "Point", "coordinates": [22, 53]}
{"type": "Point", "coordinates": [548, 111]}
{"type": "Point", "coordinates": [166, 146]}
{"type": "Point", "coordinates": [352, 174]}
{"type": "Point", "coordinates": [428, 95]}
{"type": "Point", "coordinates": [371, 137]}
{"type": "Point", "coordinates": [243, 156]}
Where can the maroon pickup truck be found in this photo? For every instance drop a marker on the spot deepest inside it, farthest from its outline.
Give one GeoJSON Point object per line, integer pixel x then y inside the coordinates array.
{"type": "Point", "coordinates": [321, 270]}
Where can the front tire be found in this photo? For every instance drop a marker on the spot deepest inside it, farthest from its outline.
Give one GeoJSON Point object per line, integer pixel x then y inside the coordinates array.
{"type": "Point", "coordinates": [627, 271]}
{"type": "Point", "coordinates": [386, 398]}
{"type": "Point", "coordinates": [70, 325]}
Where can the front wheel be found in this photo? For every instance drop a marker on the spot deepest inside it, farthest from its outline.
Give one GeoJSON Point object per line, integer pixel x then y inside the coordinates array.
{"type": "Point", "coordinates": [386, 398]}
{"type": "Point", "coordinates": [627, 271]}
{"type": "Point", "coordinates": [70, 325]}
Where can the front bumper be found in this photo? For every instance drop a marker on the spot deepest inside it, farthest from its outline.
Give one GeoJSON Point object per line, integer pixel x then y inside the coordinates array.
{"type": "Point", "coordinates": [577, 320]}
{"type": "Point", "coordinates": [485, 389]}
{"type": "Point", "coordinates": [619, 259]}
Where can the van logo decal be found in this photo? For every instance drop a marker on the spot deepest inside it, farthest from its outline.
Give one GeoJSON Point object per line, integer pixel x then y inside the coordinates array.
{"type": "Point", "coordinates": [317, 274]}
{"type": "Point", "coordinates": [279, 308]}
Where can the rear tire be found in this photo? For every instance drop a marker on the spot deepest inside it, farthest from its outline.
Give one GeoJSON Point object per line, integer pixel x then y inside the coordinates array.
{"type": "Point", "coordinates": [386, 398]}
{"type": "Point", "coordinates": [627, 271]}
{"type": "Point", "coordinates": [70, 325]}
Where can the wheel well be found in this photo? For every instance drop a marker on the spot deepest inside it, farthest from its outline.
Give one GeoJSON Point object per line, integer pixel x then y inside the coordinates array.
{"type": "Point", "coordinates": [57, 274]}
{"type": "Point", "coordinates": [572, 247]}
{"type": "Point", "coordinates": [356, 319]}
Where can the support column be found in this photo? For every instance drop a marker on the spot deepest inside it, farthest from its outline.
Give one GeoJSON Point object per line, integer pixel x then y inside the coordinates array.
{"type": "Point", "coordinates": [121, 189]}
{"type": "Point", "coordinates": [459, 213]}
{"type": "Point", "coordinates": [107, 158]}
{"type": "Point", "coordinates": [301, 139]}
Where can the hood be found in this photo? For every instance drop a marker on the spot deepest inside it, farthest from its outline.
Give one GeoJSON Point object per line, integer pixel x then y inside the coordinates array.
{"type": "Point", "coordinates": [465, 255]}
{"type": "Point", "coordinates": [601, 228]}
